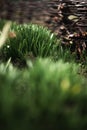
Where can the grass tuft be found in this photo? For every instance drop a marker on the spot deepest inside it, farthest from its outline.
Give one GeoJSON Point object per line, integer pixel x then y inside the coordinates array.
{"type": "Point", "coordinates": [26, 39]}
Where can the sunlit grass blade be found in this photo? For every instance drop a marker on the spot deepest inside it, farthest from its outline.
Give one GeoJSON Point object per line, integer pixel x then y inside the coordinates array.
{"type": "Point", "coordinates": [4, 33]}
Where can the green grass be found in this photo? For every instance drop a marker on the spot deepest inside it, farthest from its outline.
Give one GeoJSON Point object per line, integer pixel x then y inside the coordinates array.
{"type": "Point", "coordinates": [36, 97]}
{"type": "Point", "coordinates": [30, 39]}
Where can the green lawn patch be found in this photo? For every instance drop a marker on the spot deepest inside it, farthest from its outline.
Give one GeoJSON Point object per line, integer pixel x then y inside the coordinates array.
{"type": "Point", "coordinates": [46, 95]}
